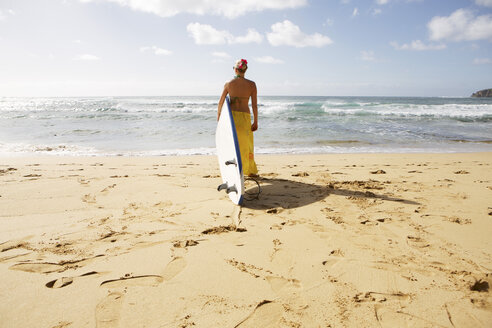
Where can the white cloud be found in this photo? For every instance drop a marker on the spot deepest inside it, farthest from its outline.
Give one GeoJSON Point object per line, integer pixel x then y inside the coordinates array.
{"type": "Point", "coordinates": [382, 2]}
{"type": "Point", "coordinates": [461, 25]}
{"type": "Point", "coordinates": [252, 36]}
{"type": "Point", "coordinates": [355, 12]}
{"type": "Point", "coordinates": [156, 50]}
{"type": "Point", "coordinates": [482, 61]}
{"type": "Point", "coordinates": [206, 34]}
{"type": "Point", "coordinates": [86, 57]}
{"type": "Point", "coordinates": [486, 3]}
{"type": "Point", "coordinates": [268, 60]}
{"type": "Point", "coordinates": [227, 8]}
{"type": "Point", "coordinates": [287, 33]}
{"type": "Point", "coordinates": [376, 11]}
{"type": "Point", "coordinates": [418, 45]}
{"type": "Point", "coordinates": [367, 56]}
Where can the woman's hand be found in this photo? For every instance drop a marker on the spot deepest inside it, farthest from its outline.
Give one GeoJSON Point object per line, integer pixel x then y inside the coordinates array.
{"type": "Point", "coordinates": [254, 126]}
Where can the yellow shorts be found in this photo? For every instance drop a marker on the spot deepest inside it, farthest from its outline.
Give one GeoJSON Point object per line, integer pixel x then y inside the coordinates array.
{"type": "Point", "coordinates": [242, 121]}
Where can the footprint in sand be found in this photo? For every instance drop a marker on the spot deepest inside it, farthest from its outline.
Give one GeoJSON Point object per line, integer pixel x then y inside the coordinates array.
{"type": "Point", "coordinates": [172, 269]}
{"type": "Point", "coordinates": [83, 181]}
{"type": "Point", "coordinates": [336, 256]}
{"type": "Point", "coordinates": [47, 267]}
{"type": "Point", "coordinates": [108, 311]}
{"type": "Point", "coordinates": [14, 257]}
{"type": "Point", "coordinates": [274, 211]}
{"type": "Point", "coordinates": [38, 267]}
{"type": "Point", "coordinates": [381, 297]}
{"type": "Point", "coordinates": [127, 281]}
{"type": "Point", "coordinates": [60, 282]}
{"type": "Point", "coordinates": [185, 243]}
{"type": "Point", "coordinates": [13, 244]}
{"type": "Point", "coordinates": [266, 314]}
{"type": "Point", "coordinates": [301, 174]}
{"type": "Point", "coordinates": [222, 229]}
{"type": "Point", "coordinates": [7, 170]}
{"type": "Point", "coordinates": [34, 176]}
{"type": "Point", "coordinates": [458, 220]}
{"type": "Point", "coordinates": [288, 292]}
{"type": "Point", "coordinates": [282, 260]}
{"type": "Point", "coordinates": [417, 242]}
{"type": "Point", "coordinates": [106, 190]}
{"type": "Point", "coordinates": [387, 307]}
{"type": "Point", "coordinates": [65, 281]}
{"type": "Point", "coordinates": [88, 198]}
{"type": "Point", "coordinates": [393, 316]}
{"type": "Point", "coordinates": [461, 172]}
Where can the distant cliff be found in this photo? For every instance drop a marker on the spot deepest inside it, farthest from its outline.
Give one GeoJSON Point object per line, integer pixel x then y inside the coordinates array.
{"type": "Point", "coordinates": [483, 93]}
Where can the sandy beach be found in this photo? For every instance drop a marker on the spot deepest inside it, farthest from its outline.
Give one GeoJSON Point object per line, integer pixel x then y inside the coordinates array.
{"type": "Point", "coordinates": [336, 240]}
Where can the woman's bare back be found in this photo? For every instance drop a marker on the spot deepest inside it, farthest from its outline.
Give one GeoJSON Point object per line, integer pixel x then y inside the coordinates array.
{"type": "Point", "coordinates": [240, 90]}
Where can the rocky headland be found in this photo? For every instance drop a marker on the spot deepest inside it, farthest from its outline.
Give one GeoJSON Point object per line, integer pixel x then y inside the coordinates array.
{"type": "Point", "coordinates": [483, 93]}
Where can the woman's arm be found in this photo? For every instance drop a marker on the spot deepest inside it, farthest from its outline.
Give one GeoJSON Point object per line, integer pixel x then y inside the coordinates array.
{"type": "Point", "coordinates": [221, 101]}
{"type": "Point", "coordinates": [254, 104]}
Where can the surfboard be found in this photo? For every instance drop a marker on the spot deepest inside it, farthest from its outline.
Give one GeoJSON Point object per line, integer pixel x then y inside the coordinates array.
{"type": "Point", "coordinates": [229, 156]}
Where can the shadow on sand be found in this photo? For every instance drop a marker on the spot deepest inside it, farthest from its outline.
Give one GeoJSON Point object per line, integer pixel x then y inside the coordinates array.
{"type": "Point", "coordinates": [292, 194]}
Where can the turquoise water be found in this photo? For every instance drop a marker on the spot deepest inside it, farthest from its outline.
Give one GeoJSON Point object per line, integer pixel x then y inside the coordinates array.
{"type": "Point", "coordinates": [186, 125]}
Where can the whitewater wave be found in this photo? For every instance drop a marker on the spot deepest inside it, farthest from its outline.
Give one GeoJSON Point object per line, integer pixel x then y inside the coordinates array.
{"type": "Point", "coordinates": [208, 105]}
{"type": "Point", "coordinates": [26, 149]}
{"type": "Point", "coordinates": [459, 111]}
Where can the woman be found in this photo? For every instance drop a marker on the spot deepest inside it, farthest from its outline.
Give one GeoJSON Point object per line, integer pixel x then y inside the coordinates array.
{"type": "Point", "coordinates": [240, 90]}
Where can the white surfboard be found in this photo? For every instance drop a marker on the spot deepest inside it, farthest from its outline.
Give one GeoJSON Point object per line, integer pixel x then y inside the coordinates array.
{"type": "Point", "coordinates": [231, 168]}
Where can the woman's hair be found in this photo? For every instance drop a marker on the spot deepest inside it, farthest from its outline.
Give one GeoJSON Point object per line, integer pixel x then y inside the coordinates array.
{"type": "Point", "coordinates": [241, 65]}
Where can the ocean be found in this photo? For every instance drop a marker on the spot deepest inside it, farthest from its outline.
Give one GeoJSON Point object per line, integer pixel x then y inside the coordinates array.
{"type": "Point", "coordinates": [159, 126]}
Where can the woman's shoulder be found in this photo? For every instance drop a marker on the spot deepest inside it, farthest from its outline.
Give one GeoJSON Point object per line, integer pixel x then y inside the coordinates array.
{"type": "Point", "coordinates": [250, 82]}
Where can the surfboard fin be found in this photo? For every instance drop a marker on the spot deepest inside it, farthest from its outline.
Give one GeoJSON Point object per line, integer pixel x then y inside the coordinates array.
{"type": "Point", "coordinates": [231, 162]}
{"type": "Point", "coordinates": [227, 188]}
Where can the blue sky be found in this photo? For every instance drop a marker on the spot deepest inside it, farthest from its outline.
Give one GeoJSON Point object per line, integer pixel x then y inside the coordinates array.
{"type": "Point", "coordinates": [294, 47]}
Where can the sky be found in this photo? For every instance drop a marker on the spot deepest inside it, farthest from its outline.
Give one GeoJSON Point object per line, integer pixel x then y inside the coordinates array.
{"type": "Point", "coordinates": [293, 47]}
